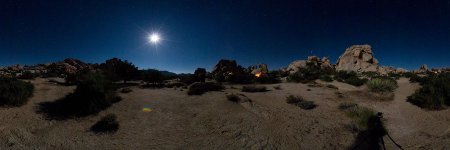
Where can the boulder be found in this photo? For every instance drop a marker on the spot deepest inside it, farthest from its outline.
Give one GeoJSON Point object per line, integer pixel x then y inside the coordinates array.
{"type": "Point", "coordinates": [259, 69]}
{"type": "Point", "coordinates": [359, 58]}
{"type": "Point", "coordinates": [422, 69]}
{"type": "Point", "coordinates": [295, 66]}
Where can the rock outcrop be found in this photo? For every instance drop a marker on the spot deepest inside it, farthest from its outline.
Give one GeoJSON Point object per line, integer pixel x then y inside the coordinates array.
{"type": "Point", "coordinates": [295, 66]}
{"type": "Point", "coordinates": [359, 58]}
{"type": "Point", "coordinates": [422, 69]}
{"type": "Point", "coordinates": [68, 66]}
{"type": "Point", "coordinates": [259, 69]}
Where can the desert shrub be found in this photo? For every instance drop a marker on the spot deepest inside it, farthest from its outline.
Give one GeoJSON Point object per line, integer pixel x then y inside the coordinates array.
{"type": "Point", "coordinates": [332, 86]}
{"type": "Point", "coordinates": [270, 78]}
{"type": "Point", "coordinates": [233, 98]}
{"type": "Point", "coordinates": [14, 92]}
{"type": "Point", "coordinates": [252, 88]}
{"type": "Point", "coordinates": [108, 124]}
{"type": "Point", "coordinates": [349, 78]}
{"type": "Point", "coordinates": [408, 74]}
{"type": "Point", "coordinates": [361, 115]}
{"type": "Point", "coordinates": [94, 93]}
{"type": "Point", "coordinates": [417, 79]}
{"type": "Point", "coordinates": [300, 102]}
{"type": "Point", "coordinates": [304, 75]}
{"type": "Point", "coordinates": [277, 87]}
{"type": "Point", "coordinates": [200, 74]}
{"type": "Point", "coordinates": [434, 94]}
{"type": "Point", "coordinates": [326, 78]}
{"type": "Point", "coordinates": [306, 105]}
{"type": "Point", "coordinates": [116, 69]}
{"type": "Point", "coordinates": [291, 99]}
{"type": "Point", "coordinates": [187, 79]}
{"type": "Point", "coordinates": [371, 74]}
{"type": "Point", "coordinates": [394, 75]}
{"type": "Point", "coordinates": [126, 90]}
{"type": "Point", "coordinates": [199, 88]}
{"type": "Point", "coordinates": [152, 76]}
{"type": "Point", "coordinates": [382, 85]}
{"type": "Point", "coordinates": [347, 106]}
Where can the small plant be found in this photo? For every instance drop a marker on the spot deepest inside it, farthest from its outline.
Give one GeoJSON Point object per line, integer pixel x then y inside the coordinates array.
{"type": "Point", "coordinates": [233, 98]}
{"type": "Point", "coordinates": [278, 87]}
{"type": "Point", "coordinates": [332, 86]}
{"type": "Point", "coordinates": [291, 99]}
{"type": "Point", "coordinates": [381, 85]}
{"type": "Point", "coordinates": [252, 88]}
{"type": "Point", "coordinates": [126, 90]}
{"type": "Point", "coordinates": [306, 105]}
{"type": "Point", "coordinates": [339, 94]}
{"type": "Point", "coordinates": [199, 88]}
{"type": "Point", "coordinates": [300, 102]}
{"type": "Point", "coordinates": [14, 92]}
{"type": "Point", "coordinates": [347, 106]}
{"type": "Point", "coordinates": [108, 124]}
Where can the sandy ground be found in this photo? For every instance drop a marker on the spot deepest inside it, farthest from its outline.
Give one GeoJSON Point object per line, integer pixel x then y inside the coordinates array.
{"type": "Point", "coordinates": [179, 121]}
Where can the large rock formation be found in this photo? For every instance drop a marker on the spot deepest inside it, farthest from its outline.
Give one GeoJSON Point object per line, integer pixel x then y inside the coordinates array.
{"type": "Point", "coordinates": [422, 69]}
{"type": "Point", "coordinates": [295, 66]}
{"type": "Point", "coordinates": [360, 58]}
{"type": "Point", "coordinates": [68, 66]}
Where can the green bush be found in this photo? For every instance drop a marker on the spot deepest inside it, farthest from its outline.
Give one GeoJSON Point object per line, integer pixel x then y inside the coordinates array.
{"type": "Point", "coordinates": [434, 94]}
{"type": "Point", "coordinates": [199, 88]}
{"type": "Point", "coordinates": [381, 85]}
{"type": "Point", "coordinates": [252, 88]}
{"type": "Point", "coordinates": [108, 124]}
{"type": "Point", "coordinates": [14, 92]}
{"type": "Point", "coordinates": [349, 78]}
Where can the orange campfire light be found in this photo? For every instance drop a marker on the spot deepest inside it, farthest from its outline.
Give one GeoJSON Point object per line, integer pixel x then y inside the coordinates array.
{"type": "Point", "coordinates": [258, 74]}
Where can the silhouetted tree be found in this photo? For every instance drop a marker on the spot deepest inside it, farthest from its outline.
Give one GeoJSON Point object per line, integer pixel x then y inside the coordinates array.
{"type": "Point", "coordinates": [152, 76]}
{"type": "Point", "coordinates": [200, 74]}
{"type": "Point", "coordinates": [116, 69]}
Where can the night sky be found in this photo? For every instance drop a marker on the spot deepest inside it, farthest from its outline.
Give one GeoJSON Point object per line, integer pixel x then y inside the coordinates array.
{"type": "Point", "coordinates": [196, 33]}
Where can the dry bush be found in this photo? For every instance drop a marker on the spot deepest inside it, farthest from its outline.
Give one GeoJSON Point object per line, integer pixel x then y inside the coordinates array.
{"type": "Point", "coordinates": [252, 88]}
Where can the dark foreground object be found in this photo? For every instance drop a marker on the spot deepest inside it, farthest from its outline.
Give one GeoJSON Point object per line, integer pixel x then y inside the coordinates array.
{"type": "Point", "coordinates": [108, 124]}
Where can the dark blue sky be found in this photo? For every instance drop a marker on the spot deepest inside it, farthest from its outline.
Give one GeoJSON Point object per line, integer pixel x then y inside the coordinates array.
{"type": "Point", "coordinates": [198, 33]}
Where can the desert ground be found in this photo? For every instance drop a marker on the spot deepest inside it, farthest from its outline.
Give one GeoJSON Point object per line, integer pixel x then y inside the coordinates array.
{"type": "Point", "coordinates": [210, 121]}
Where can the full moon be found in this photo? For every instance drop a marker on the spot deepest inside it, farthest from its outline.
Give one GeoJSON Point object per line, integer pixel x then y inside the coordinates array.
{"type": "Point", "coordinates": [154, 38]}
